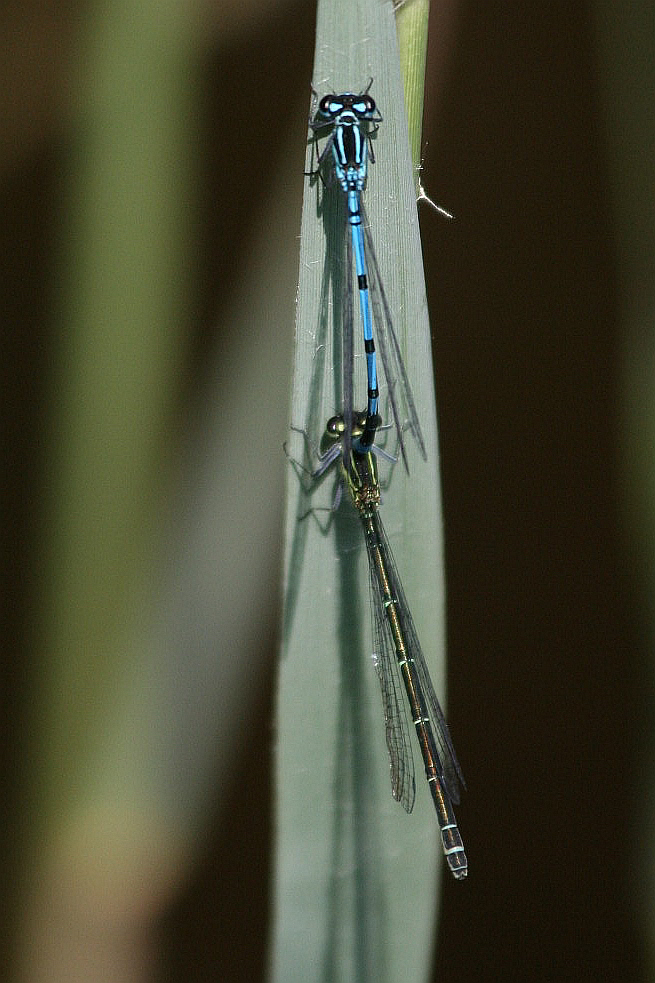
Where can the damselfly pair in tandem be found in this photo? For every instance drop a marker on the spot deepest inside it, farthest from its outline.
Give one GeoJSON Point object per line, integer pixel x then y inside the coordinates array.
{"type": "Point", "coordinates": [349, 122]}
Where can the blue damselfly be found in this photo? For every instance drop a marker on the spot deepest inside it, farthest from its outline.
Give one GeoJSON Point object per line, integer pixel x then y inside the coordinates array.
{"type": "Point", "coordinates": [350, 120]}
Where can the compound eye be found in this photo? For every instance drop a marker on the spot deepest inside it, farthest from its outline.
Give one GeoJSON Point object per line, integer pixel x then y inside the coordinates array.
{"type": "Point", "coordinates": [335, 426]}
{"type": "Point", "coordinates": [330, 106]}
{"type": "Point", "coordinates": [365, 106]}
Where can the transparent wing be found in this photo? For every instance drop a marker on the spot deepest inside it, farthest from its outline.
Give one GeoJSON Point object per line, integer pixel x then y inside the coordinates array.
{"type": "Point", "coordinates": [348, 344]}
{"type": "Point", "coordinates": [403, 785]}
{"type": "Point", "coordinates": [451, 776]}
{"type": "Point", "coordinates": [401, 399]}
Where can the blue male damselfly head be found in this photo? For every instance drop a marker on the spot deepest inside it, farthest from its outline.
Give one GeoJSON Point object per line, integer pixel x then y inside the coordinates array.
{"type": "Point", "coordinates": [332, 106]}
{"type": "Point", "coordinates": [347, 108]}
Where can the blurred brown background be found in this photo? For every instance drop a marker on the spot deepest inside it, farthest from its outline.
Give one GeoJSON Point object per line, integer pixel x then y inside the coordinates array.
{"type": "Point", "coordinates": [548, 624]}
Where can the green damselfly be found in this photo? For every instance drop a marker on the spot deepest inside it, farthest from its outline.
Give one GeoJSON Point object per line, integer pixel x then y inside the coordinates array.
{"type": "Point", "coordinates": [398, 654]}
